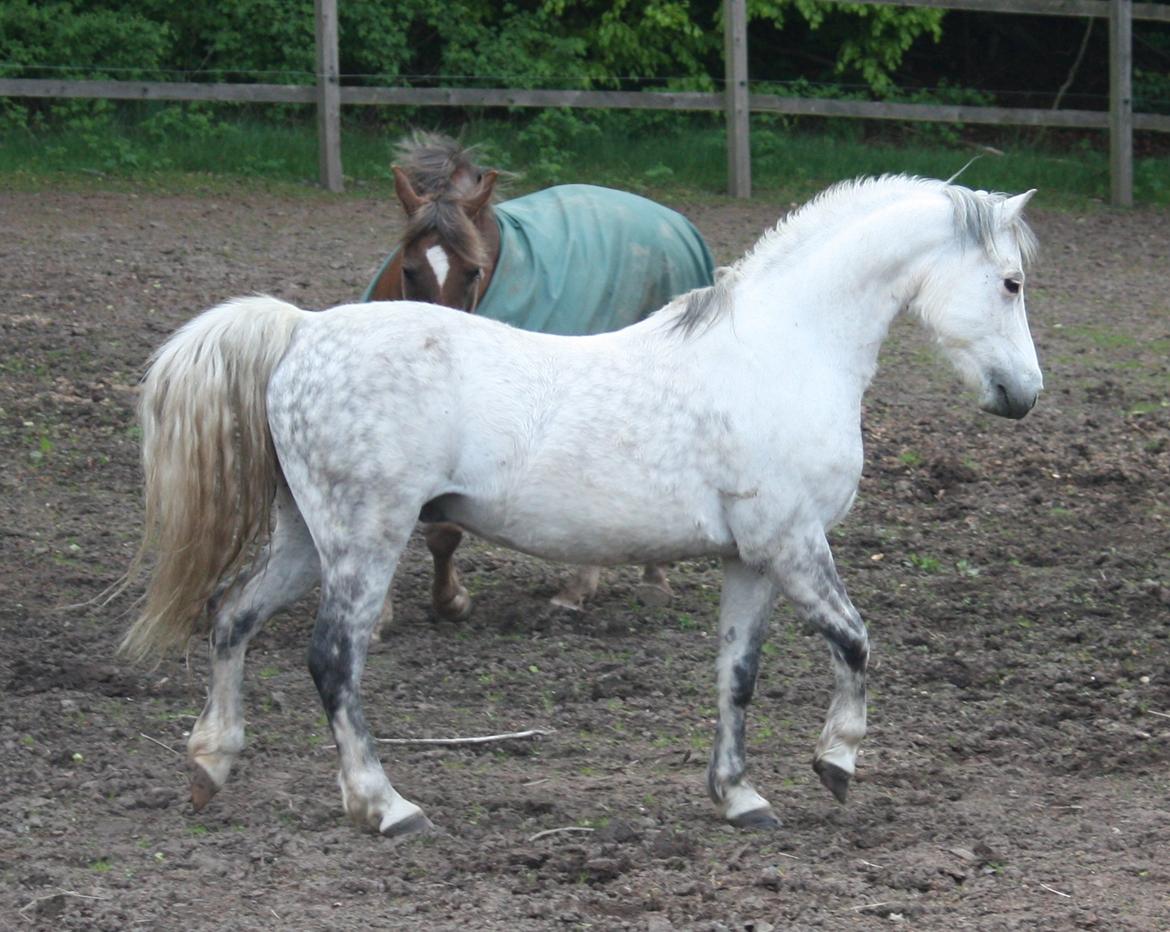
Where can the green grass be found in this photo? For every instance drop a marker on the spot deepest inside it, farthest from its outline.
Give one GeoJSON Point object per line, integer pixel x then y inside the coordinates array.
{"type": "Point", "coordinates": [910, 458]}
{"type": "Point", "coordinates": [657, 154]}
{"type": "Point", "coordinates": [925, 563]}
{"type": "Point", "coordinates": [1103, 337]}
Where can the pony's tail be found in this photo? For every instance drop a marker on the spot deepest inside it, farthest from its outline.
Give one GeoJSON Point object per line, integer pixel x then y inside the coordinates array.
{"type": "Point", "coordinates": [210, 470]}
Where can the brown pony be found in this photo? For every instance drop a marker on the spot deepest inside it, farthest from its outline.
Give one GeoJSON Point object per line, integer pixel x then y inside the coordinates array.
{"type": "Point", "coordinates": [447, 199]}
{"type": "Point", "coordinates": [451, 248]}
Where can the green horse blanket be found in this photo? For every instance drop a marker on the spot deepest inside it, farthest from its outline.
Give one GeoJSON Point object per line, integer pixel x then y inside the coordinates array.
{"type": "Point", "coordinates": [578, 259]}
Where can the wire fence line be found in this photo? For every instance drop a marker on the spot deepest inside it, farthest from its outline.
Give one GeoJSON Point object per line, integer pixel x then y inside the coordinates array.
{"type": "Point", "coordinates": [324, 89]}
{"type": "Point", "coordinates": [842, 90]}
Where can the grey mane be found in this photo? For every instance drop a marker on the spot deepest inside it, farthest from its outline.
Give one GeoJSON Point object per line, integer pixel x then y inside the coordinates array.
{"type": "Point", "coordinates": [975, 222]}
{"type": "Point", "coordinates": [703, 306]}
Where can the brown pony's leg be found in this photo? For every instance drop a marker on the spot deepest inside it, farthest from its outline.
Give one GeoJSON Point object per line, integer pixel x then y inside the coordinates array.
{"type": "Point", "coordinates": [450, 598]}
{"type": "Point", "coordinates": [580, 587]}
{"type": "Point", "coordinates": [654, 588]}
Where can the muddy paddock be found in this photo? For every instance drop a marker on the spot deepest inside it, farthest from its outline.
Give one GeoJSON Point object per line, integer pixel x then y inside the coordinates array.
{"type": "Point", "coordinates": [1015, 578]}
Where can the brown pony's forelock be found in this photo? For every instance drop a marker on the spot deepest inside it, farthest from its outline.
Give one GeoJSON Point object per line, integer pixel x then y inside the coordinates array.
{"type": "Point", "coordinates": [446, 218]}
{"type": "Point", "coordinates": [447, 175]}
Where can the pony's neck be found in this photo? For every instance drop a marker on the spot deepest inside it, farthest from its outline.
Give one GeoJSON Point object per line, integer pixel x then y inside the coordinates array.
{"type": "Point", "coordinates": [834, 295]}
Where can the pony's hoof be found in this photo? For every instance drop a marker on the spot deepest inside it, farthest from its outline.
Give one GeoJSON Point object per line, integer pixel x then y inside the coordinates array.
{"type": "Point", "coordinates": [836, 779]}
{"type": "Point", "coordinates": [202, 787]}
{"type": "Point", "coordinates": [417, 824]}
{"type": "Point", "coordinates": [656, 595]}
{"type": "Point", "coordinates": [568, 601]}
{"type": "Point", "coordinates": [457, 608]}
{"type": "Point", "coordinates": [760, 820]}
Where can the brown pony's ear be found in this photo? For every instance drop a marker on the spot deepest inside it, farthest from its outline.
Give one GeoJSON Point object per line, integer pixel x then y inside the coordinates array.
{"type": "Point", "coordinates": [411, 202]}
{"type": "Point", "coordinates": [480, 199]}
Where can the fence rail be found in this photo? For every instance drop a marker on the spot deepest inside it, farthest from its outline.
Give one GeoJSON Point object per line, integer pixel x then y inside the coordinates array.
{"type": "Point", "coordinates": [329, 95]}
{"type": "Point", "coordinates": [615, 100]}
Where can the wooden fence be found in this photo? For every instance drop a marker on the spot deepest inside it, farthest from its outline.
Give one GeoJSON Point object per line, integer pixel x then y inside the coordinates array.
{"type": "Point", "coordinates": [736, 101]}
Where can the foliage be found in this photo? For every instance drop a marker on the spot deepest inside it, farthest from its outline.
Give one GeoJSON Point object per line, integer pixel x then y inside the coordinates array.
{"type": "Point", "coordinates": [947, 133]}
{"type": "Point", "coordinates": [100, 43]}
{"type": "Point", "coordinates": [97, 43]}
{"type": "Point", "coordinates": [870, 41]}
{"type": "Point", "coordinates": [1151, 91]}
{"type": "Point", "coordinates": [576, 43]}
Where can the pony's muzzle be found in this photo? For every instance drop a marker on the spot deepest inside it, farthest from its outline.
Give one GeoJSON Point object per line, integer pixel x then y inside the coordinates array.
{"type": "Point", "coordinates": [1009, 398]}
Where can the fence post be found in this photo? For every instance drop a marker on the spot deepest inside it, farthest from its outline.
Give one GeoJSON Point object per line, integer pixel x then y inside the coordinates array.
{"type": "Point", "coordinates": [739, 158]}
{"type": "Point", "coordinates": [1121, 102]}
{"type": "Point", "coordinates": [328, 97]}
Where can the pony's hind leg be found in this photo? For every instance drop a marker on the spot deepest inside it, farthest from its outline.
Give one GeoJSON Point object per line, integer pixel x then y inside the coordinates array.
{"type": "Point", "coordinates": [809, 579]}
{"type": "Point", "coordinates": [356, 575]}
{"type": "Point", "coordinates": [450, 598]}
{"type": "Point", "coordinates": [448, 595]}
{"type": "Point", "coordinates": [284, 572]}
{"type": "Point", "coordinates": [581, 587]}
{"type": "Point", "coordinates": [654, 589]}
{"type": "Point", "coordinates": [744, 607]}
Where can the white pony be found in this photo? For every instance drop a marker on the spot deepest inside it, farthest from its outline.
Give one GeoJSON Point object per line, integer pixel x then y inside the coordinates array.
{"type": "Point", "coordinates": [728, 423]}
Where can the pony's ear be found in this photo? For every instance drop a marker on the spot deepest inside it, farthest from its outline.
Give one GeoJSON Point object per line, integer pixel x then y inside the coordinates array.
{"type": "Point", "coordinates": [411, 202]}
{"type": "Point", "coordinates": [480, 198]}
{"type": "Point", "coordinates": [1014, 206]}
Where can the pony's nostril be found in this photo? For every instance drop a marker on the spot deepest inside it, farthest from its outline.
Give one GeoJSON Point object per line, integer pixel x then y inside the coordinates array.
{"type": "Point", "coordinates": [1006, 404]}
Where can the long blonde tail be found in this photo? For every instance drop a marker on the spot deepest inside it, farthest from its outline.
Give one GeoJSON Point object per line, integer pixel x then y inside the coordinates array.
{"type": "Point", "coordinates": [210, 470]}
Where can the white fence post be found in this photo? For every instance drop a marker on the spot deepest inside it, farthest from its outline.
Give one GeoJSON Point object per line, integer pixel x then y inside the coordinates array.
{"type": "Point", "coordinates": [1121, 102]}
{"type": "Point", "coordinates": [739, 153]}
{"type": "Point", "coordinates": [328, 97]}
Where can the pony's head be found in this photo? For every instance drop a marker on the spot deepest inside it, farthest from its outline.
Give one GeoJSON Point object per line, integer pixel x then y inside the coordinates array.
{"type": "Point", "coordinates": [972, 299]}
{"type": "Point", "coordinates": [448, 249]}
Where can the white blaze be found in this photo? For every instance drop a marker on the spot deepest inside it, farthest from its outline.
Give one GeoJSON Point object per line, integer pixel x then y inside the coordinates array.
{"type": "Point", "coordinates": [437, 257]}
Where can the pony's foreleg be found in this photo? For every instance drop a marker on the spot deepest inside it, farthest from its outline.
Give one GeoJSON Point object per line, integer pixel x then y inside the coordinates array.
{"type": "Point", "coordinates": [745, 604]}
{"type": "Point", "coordinates": [809, 579]}
{"type": "Point", "coordinates": [581, 587]}
{"type": "Point", "coordinates": [448, 595]}
{"type": "Point", "coordinates": [353, 588]}
{"type": "Point", "coordinates": [284, 572]}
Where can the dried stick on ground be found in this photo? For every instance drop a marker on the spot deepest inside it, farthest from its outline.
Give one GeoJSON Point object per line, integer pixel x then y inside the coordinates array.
{"type": "Point", "coordinates": [481, 739]}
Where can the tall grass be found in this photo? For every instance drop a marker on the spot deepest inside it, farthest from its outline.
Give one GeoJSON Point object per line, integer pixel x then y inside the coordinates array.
{"type": "Point", "coordinates": [659, 154]}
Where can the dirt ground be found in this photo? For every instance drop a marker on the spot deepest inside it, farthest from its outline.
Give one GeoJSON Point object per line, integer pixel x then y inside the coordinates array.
{"type": "Point", "coordinates": [1015, 578]}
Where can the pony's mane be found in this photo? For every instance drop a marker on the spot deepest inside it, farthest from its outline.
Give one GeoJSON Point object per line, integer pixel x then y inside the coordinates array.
{"type": "Point", "coordinates": [446, 173]}
{"type": "Point", "coordinates": [976, 221]}
{"type": "Point", "coordinates": [437, 164]}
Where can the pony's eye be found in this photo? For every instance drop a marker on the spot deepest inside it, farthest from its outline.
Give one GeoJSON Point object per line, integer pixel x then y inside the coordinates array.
{"type": "Point", "coordinates": [473, 274]}
{"type": "Point", "coordinates": [410, 274]}
{"type": "Point", "coordinates": [1012, 285]}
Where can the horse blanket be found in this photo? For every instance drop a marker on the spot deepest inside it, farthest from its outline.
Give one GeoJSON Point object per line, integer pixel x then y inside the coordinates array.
{"type": "Point", "coordinates": [579, 259]}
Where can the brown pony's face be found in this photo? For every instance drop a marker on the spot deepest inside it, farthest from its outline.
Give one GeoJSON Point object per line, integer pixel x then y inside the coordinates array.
{"type": "Point", "coordinates": [448, 251]}
{"type": "Point", "coordinates": [432, 272]}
